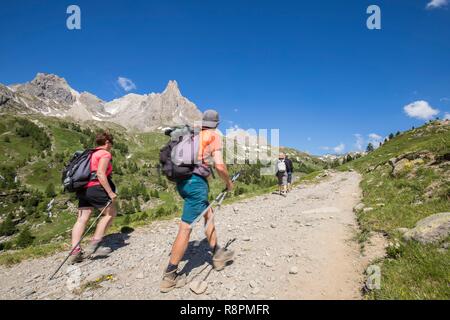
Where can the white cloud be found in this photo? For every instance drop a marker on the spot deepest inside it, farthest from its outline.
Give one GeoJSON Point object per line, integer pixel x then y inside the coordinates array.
{"type": "Point", "coordinates": [126, 84]}
{"type": "Point", "coordinates": [325, 148]}
{"type": "Point", "coordinates": [340, 148]}
{"type": "Point", "coordinates": [236, 109]}
{"type": "Point", "coordinates": [309, 139]}
{"type": "Point", "coordinates": [359, 144]}
{"type": "Point", "coordinates": [447, 116]}
{"type": "Point", "coordinates": [375, 139]}
{"type": "Point", "coordinates": [445, 99]}
{"type": "Point", "coordinates": [420, 110]}
{"type": "Point", "coordinates": [434, 4]}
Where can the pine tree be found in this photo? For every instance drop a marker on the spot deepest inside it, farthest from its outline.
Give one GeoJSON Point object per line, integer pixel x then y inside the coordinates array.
{"type": "Point", "coordinates": [391, 136]}
{"type": "Point", "coordinates": [25, 238]}
{"type": "Point", "coordinates": [397, 134]}
{"type": "Point", "coordinates": [370, 147]}
{"type": "Point", "coordinates": [7, 228]}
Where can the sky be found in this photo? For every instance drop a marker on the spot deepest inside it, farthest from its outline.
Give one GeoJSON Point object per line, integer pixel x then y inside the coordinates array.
{"type": "Point", "coordinates": [311, 69]}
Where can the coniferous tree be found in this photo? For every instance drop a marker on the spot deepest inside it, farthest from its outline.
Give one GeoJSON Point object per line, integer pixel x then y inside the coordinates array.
{"type": "Point", "coordinates": [7, 227]}
{"type": "Point", "coordinates": [25, 238]}
{"type": "Point", "coordinates": [370, 147]}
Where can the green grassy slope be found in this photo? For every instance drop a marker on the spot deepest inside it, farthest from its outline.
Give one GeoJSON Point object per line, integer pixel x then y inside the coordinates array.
{"type": "Point", "coordinates": [411, 271]}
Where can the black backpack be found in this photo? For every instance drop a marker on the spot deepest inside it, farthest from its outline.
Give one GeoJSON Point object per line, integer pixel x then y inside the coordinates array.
{"type": "Point", "coordinates": [78, 173]}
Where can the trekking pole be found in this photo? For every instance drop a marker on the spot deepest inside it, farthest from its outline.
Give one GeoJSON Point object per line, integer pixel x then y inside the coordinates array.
{"type": "Point", "coordinates": [82, 237]}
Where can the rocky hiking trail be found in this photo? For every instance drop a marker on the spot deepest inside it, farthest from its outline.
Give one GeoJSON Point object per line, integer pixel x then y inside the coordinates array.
{"type": "Point", "coordinates": [297, 247]}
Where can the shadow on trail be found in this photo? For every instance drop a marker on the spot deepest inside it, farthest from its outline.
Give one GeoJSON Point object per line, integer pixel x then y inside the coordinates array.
{"type": "Point", "coordinates": [197, 255]}
{"type": "Point", "coordinates": [117, 240]}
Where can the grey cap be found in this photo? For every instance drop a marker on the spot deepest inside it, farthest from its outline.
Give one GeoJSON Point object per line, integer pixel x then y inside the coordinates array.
{"type": "Point", "coordinates": [210, 119]}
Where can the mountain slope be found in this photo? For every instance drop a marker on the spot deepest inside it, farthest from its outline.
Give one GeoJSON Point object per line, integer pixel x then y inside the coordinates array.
{"type": "Point", "coordinates": [405, 180]}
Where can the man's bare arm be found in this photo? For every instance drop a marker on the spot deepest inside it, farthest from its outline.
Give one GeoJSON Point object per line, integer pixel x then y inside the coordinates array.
{"type": "Point", "coordinates": [222, 170]}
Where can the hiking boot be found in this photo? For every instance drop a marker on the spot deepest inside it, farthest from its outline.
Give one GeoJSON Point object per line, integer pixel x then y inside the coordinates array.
{"type": "Point", "coordinates": [172, 280]}
{"type": "Point", "coordinates": [221, 258]}
{"type": "Point", "coordinates": [97, 249]}
{"type": "Point", "coordinates": [75, 257]}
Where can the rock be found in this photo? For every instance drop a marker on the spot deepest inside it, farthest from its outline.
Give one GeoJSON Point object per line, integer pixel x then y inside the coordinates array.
{"type": "Point", "coordinates": [392, 162]}
{"type": "Point", "coordinates": [235, 210]}
{"type": "Point", "coordinates": [402, 230]}
{"type": "Point", "coordinates": [246, 238]}
{"type": "Point", "coordinates": [268, 264]}
{"type": "Point", "coordinates": [272, 225]}
{"type": "Point", "coordinates": [140, 275]}
{"type": "Point", "coordinates": [358, 207]}
{"type": "Point", "coordinates": [100, 273]}
{"type": "Point", "coordinates": [367, 209]}
{"type": "Point", "coordinates": [431, 229]}
{"type": "Point", "coordinates": [293, 270]}
{"type": "Point", "coordinates": [28, 292]}
{"type": "Point", "coordinates": [401, 166]}
{"type": "Point", "coordinates": [252, 284]}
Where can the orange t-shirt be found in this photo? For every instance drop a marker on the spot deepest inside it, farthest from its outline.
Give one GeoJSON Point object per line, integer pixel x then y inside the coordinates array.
{"type": "Point", "coordinates": [95, 159]}
{"type": "Point", "coordinates": [210, 141]}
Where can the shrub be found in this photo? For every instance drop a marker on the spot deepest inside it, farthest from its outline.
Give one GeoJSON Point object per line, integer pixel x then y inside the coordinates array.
{"type": "Point", "coordinates": [25, 238]}
{"type": "Point", "coordinates": [50, 190]}
{"type": "Point", "coordinates": [7, 228]}
{"type": "Point", "coordinates": [29, 129]}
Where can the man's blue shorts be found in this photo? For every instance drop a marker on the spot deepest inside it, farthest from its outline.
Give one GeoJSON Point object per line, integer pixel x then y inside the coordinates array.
{"type": "Point", "coordinates": [194, 191]}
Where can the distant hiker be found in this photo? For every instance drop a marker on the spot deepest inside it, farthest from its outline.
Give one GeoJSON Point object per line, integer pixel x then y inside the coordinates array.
{"type": "Point", "coordinates": [194, 190]}
{"type": "Point", "coordinates": [96, 194]}
{"type": "Point", "coordinates": [289, 171]}
{"type": "Point", "coordinates": [281, 173]}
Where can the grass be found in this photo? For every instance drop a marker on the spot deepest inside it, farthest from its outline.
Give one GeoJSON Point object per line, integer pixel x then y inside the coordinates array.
{"type": "Point", "coordinates": [10, 258]}
{"type": "Point", "coordinates": [420, 272]}
{"type": "Point", "coordinates": [416, 271]}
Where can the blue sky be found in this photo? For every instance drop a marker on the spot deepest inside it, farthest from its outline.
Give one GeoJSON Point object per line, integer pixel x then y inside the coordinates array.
{"type": "Point", "coordinates": [310, 68]}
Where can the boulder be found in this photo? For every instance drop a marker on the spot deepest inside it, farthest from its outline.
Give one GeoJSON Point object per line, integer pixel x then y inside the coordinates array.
{"type": "Point", "coordinates": [431, 229]}
{"type": "Point", "coordinates": [401, 166]}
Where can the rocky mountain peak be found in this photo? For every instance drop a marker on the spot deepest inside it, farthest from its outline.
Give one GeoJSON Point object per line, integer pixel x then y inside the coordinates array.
{"type": "Point", "coordinates": [172, 89]}
{"type": "Point", "coordinates": [49, 86]}
{"type": "Point", "coordinates": [51, 95]}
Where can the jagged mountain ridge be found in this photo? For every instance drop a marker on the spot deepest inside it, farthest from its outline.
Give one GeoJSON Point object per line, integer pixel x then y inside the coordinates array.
{"type": "Point", "coordinates": [51, 95]}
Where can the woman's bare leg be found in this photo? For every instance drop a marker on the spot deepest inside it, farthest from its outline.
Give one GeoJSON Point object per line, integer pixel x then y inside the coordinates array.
{"type": "Point", "coordinates": [105, 221]}
{"type": "Point", "coordinates": [78, 229]}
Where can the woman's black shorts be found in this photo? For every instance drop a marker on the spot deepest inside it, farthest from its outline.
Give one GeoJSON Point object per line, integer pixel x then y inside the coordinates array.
{"type": "Point", "coordinates": [94, 196]}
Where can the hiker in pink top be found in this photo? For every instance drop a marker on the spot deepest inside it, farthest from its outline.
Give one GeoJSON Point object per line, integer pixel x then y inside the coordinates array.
{"type": "Point", "coordinates": [97, 193]}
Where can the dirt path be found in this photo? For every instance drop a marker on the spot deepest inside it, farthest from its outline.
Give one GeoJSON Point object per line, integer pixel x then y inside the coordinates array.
{"type": "Point", "coordinates": [298, 247]}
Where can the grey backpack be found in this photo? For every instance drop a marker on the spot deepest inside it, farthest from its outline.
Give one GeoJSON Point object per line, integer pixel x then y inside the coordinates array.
{"type": "Point", "coordinates": [179, 158]}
